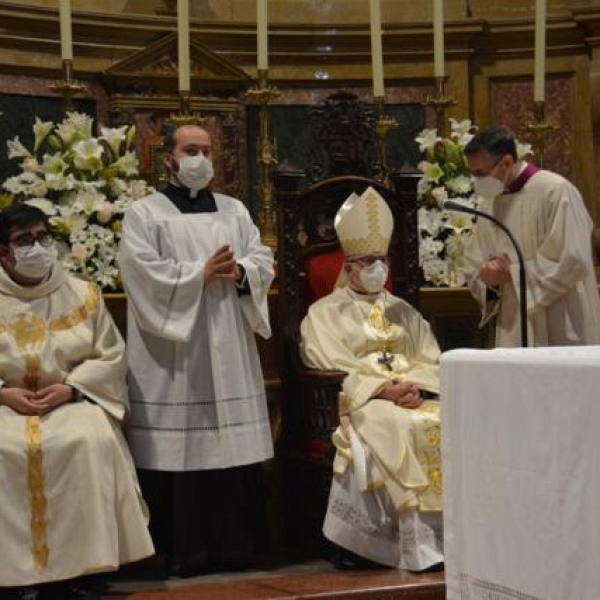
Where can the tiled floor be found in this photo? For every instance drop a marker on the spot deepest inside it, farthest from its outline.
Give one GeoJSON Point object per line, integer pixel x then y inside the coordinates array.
{"type": "Point", "coordinates": [316, 579]}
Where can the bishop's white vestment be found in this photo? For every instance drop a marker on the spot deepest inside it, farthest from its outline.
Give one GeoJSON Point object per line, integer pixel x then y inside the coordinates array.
{"type": "Point", "coordinates": [385, 499]}
{"type": "Point", "coordinates": [196, 386]}
{"type": "Point", "coordinates": [551, 224]}
{"type": "Point", "coordinates": [71, 502]}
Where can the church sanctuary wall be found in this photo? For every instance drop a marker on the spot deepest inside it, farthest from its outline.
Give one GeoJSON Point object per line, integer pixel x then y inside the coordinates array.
{"type": "Point", "coordinates": [502, 93]}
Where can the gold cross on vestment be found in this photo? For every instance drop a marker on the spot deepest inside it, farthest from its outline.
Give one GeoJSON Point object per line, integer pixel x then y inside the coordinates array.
{"type": "Point", "coordinates": [385, 359]}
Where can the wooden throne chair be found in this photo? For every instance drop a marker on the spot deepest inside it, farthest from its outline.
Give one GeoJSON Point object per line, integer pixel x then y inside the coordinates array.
{"type": "Point", "coordinates": [309, 261]}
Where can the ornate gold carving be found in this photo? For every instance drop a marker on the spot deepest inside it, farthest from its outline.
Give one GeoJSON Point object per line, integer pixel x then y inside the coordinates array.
{"type": "Point", "coordinates": [440, 104]}
{"type": "Point", "coordinates": [266, 156]}
{"type": "Point", "coordinates": [540, 128]}
{"type": "Point", "coordinates": [35, 482]}
{"type": "Point", "coordinates": [383, 126]}
{"type": "Point", "coordinates": [68, 87]}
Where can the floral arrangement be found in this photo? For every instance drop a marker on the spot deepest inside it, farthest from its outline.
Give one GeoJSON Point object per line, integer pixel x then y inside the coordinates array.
{"type": "Point", "coordinates": [444, 234]}
{"type": "Point", "coordinates": [85, 185]}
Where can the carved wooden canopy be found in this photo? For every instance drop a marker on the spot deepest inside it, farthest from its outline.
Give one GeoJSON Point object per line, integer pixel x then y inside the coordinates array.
{"type": "Point", "coordinates": [153, 71]}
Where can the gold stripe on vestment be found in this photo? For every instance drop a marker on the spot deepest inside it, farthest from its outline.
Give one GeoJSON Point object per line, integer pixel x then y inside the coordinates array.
{"type": "Point", "coordinates": [35, 482]}
{"type": "Point", "coordinates": [80, 314]}
{"type": "Point", "coordinates": [32, 371]}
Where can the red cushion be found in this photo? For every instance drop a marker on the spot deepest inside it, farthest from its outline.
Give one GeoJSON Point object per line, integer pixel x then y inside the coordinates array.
{"type": "Point", "coordinates": [322, 271]}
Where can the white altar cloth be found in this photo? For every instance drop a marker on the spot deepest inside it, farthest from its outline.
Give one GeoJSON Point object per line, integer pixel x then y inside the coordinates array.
{"type": "Point", "coordinates": [521, 468]}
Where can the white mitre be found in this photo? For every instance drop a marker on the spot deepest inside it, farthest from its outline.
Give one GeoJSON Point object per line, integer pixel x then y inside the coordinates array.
{"type": "Point", "coordinates": [364, 224]}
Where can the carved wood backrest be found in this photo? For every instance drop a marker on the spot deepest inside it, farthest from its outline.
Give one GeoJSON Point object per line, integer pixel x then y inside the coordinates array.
{"type": "Point", "coordinates": [305, 219]}
{"type": "Point", "coordinates": [344, 138]}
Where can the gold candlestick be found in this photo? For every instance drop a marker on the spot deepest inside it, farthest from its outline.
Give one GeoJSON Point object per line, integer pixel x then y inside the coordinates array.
{"type": "Point", "coordinates": [440, 103]}
{"type": "Point", "coordinates": [67, 86]}
{"type": "Point", "coordinates": [383, 125]}
{"type": "Point", "coordinates": [266, 156]}
{"type": "Point", "coordinates": [539, 128]}
{"type": "Point", "coordinates": [185, 116]}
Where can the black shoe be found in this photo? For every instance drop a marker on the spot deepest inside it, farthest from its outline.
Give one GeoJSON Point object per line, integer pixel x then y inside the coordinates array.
{"type": "Point", "coordinates": [22, 593]}
{"type": "Point", "coordinates": [87, 587]}
{"type": "Point", "coordinates": [344, 560]}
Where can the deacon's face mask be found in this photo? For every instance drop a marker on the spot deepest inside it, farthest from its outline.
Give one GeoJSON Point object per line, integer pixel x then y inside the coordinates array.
{"type": "Point", "coordinates": [373, 277]}
{"type": "Point", "coordinates": [488, 186]}
{"type": "Point", "coordinates": [195, 172]}
{"type": "Point", "coordinates": [34, 261]}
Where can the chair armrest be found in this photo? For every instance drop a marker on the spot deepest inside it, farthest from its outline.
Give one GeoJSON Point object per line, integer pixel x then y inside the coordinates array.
{"type": "Point", "coordinates": [329, 375]}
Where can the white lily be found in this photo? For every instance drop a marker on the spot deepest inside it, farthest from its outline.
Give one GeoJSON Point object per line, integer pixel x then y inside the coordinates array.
{"type": "Point", "coordinates": [114, 137]}
{"type": "Point", "coordinates": [16, 149]}
{"type": "Point", "coordinates": [427, 139]}
{"type": "Point", "coordinates": [41, 129]}
{"type": "Point", "coordinates": [88, 154]}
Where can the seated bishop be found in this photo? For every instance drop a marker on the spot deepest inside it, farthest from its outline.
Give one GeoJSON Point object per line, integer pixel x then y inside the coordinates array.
{"type": "Point", "coordinates": [71, 504]}
{"type": "Point", "coordinates": [385, 498]}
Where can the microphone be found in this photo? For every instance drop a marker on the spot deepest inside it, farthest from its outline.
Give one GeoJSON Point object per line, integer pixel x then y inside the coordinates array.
{"type": "Point", "coordinates": [458, 207]}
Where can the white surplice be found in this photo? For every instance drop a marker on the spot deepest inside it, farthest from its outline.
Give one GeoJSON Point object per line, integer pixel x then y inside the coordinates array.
{"type": "Point", "coordinates": [71, 502]}
{"type": "Point", "coordinates": [387, 466]}
{"type": "Point", "coordinates": [196, 386]}
{"type": "Point", "coordinates": [551, 224]}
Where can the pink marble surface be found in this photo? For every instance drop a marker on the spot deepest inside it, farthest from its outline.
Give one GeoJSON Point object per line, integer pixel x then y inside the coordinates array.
{"type": "Point", "coordinates": [512, 106]}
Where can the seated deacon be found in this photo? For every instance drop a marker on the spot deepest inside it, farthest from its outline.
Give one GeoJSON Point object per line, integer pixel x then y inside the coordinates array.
{"type": "Point", "coordinates": [385, 499]}
{"type": "Point", "coordinates": [71, 503]}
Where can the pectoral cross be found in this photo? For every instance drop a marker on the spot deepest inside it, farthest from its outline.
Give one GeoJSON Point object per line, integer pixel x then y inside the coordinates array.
{"type": "Point", "coordinates": [385, 359]}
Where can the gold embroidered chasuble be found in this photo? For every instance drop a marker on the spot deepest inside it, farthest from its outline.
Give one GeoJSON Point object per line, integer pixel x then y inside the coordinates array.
{"type": "Point", "coordinates": [363, 334]}
{"type": "Point", "coordinates": [71, 500]}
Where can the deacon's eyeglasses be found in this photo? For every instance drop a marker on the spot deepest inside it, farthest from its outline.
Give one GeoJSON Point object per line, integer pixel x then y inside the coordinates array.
{"type": "Point", "coordinates": [28, 240]}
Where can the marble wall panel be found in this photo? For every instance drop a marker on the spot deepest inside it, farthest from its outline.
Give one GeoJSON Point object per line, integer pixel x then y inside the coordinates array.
{"type": "Point", "coordinates": [512, 107]}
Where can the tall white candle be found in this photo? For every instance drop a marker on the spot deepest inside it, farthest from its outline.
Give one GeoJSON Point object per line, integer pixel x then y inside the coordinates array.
{"type": "Point", "coordinates": [376, 50]}
{"type": "Point", "coordinates": [539, 68]}
{"type": "Point", "coordinates": [438, 38]}
{"type": "Point", "coordinates": [261, 35]}
{"type": "Point", "coordinates": [66, 40]}
{"type": "Point", "coordinates": [183, 44]}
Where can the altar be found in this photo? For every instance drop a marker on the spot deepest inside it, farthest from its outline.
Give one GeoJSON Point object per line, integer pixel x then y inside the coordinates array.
{"type": "Point", "coordinates": [521, 477]}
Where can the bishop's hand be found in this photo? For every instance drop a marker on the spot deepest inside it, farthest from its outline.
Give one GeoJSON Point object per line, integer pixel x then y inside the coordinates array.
{"type": "Point", "coordinates": [401, 393]}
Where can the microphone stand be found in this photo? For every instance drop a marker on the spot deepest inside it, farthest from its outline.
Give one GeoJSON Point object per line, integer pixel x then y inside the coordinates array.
{"type": "Point", "coordinates": [456, 206]}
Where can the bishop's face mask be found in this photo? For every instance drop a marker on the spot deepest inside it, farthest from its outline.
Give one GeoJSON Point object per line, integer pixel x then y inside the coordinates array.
{"type": "Point", "coordinates": [34, 261]}
{"type": "Point", "coordinates": [374, 276]}
{"type": "Point", "coordinates": [195, 172]}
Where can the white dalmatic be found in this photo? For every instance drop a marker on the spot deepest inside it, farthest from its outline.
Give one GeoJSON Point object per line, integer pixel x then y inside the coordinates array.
{"type": "Point", "coordinates": [551, 224]}
{"type": "Point", "coordinates": [196, 387]}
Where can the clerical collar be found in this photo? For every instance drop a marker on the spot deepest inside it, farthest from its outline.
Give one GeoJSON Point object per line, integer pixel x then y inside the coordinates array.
{"type": "Point", "coordinates": [360, 296]}
{"type": "Point", "coordinates": [528, 170]}
{"type": "Point", "coordinates": [180, 197]}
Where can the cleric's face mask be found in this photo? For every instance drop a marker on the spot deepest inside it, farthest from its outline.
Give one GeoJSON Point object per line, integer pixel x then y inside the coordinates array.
{"type": "Point", "coordinates": [34, 262]}
{"type": "Point", "coordinates": [374, 276]}
{"type": "Point", "coordinates": [195, 172]}
{"type": "Point", "coordinates": [488, 186]}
